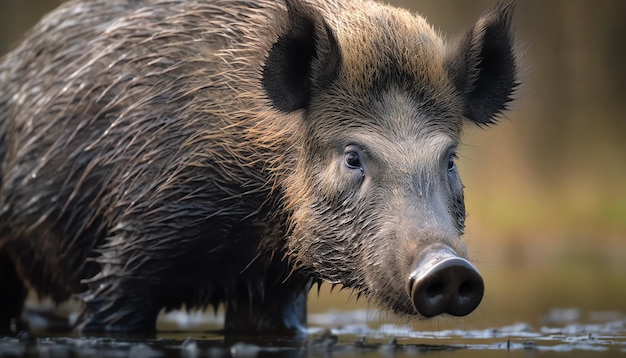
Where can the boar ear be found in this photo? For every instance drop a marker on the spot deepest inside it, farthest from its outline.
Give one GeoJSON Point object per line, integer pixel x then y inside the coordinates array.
{"type": "Point", "coordinates": [482, 65]}
{"type": "Point", "coordinates": [304, 58]}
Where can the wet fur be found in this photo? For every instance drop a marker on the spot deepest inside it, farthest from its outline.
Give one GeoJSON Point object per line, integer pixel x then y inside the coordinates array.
{"type": "Point", "coordinates": [151, 157]}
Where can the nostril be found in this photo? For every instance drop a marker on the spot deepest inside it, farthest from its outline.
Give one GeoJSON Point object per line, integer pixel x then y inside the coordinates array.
{"type": "Point", "coordinates": [435, 289]}
{"type": "Point", "coordinates": [466, 289]}
{"type": "Point", "coordinates": [468, 292]}
{"type": "Point", "coordinates": [450, 285]}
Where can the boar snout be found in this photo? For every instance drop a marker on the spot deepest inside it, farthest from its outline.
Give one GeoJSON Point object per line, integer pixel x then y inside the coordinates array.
{"type": "Point", "coordinates": [442, 282]}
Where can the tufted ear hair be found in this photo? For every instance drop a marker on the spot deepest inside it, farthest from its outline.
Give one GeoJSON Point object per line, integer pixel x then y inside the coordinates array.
{"type": "Point", "coordinates": [306, 57]}
{"type": "Point", "coordinates": [482, 65]}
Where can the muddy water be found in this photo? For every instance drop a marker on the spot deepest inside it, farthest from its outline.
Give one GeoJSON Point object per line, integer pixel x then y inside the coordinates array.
{"type": "Point", "coordinates": [604, 336]}
{"type": "Point", "coordinates": [575, 309]}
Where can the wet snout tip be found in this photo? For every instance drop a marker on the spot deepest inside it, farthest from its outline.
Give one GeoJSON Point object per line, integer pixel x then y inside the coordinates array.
{"type": "Point", "coordinates": [445, 284]}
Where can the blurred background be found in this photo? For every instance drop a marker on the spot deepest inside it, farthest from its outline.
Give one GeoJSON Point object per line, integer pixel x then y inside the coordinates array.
{"type": "Point", "coordinates": [545, 188]}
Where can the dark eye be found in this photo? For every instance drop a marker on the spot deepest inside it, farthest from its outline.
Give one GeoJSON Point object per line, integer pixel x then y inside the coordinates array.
{"type": "Point", "coordinates": [353, 161]}
{"type": "Point", "coordinates": [451, 164]}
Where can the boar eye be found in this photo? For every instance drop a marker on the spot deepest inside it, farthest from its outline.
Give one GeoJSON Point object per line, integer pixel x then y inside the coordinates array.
{"type": "Point", "coordinates": [451, 165]}
{"type": "Point", "coordinates": [353, 161]}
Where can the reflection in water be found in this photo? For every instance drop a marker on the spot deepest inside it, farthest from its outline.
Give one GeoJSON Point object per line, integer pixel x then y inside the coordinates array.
{"type": "Point", "coordinates": [338, 329]}
{"type": "Point", "coordinates": [573, 306]}
{"type": "Point", "coordinates": [605, 337]}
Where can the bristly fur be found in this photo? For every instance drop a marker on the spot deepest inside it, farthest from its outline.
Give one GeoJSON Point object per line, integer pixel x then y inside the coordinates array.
{"type": "Point", "coordinates": [161, 153]}
{"type": "Point", "coordinates": [490, 66]}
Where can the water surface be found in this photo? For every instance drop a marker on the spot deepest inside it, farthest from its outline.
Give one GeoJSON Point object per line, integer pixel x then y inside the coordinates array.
{"type": "Point", "coordinates": [522, 315]}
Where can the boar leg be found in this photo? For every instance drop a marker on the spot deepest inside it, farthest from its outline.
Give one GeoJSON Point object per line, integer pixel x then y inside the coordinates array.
{"type": "Point", "coordinates": [12, 295]}
{"type": "Point", "coordinates": [279, 310]}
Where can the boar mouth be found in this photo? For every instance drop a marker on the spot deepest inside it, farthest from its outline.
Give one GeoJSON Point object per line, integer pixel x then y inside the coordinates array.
{"type": "Point", "coordinates": [442, 283]}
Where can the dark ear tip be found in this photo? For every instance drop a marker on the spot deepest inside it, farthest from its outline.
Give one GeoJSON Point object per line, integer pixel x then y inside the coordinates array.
{"type": "Point", "coordinates": [506, 8]}
{"type": "Point", "coordinates": [492, 65]}
{"type": "Point", "coordinates": [304, 57]}
{"type": "Point", "coordinates": [503, 13]}
{"type": "Point", "coordinates": [501, 16]}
